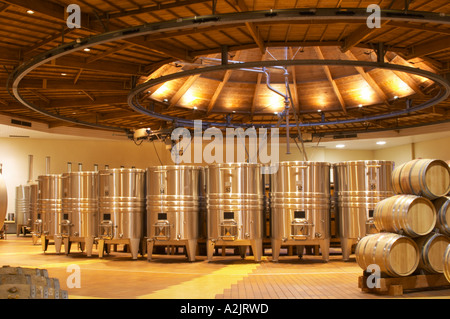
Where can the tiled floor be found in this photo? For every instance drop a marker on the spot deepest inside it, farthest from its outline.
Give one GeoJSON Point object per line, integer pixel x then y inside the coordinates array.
{"type": "Point", "coordinates": [172, 277]}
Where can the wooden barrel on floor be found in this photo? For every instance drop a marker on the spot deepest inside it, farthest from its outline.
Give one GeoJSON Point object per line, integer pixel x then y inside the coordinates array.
{"type": "Point", "coordinates": [29, 283]}
{"type": "Point", "coordinates": [442, 206]}
{"type": "Point", "coordinates": [422, 177]}
{"type": "Point", "coordinates": [447, 263]}
{"type": "Point", "coordinates": [432, 247]}
{"type": "Point", "coordinates": [409, 214]}
{"type": "Point", "coordinates": [396, 255]}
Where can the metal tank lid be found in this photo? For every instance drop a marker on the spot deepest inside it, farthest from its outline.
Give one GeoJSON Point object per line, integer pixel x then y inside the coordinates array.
{"type": "Point", "coordinates": [174, 167]}
{"type": "Point", "coordinates": [363, 162]}
{"type": "Point", "coordinates": [237, 164]}
{"type": "Point", "coordinates": [286, 163]}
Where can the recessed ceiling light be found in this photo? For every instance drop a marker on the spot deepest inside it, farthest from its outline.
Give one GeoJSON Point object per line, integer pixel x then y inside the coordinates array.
{"type": "Point", "coordinates": [360, 105]}
{"type": "Point", "coordinates": [395, 97]}
{"type": "Point", "coordinates": [276, 113]}
{"type": "Point", "coordinates": [166, 100]}
{"type": "Point", "coordinates": [319, 111]}
{"type": "Point", "coordinates": [194, 107]}
{"type": "Point", "coordinates": [63, 74]}
{"type": "Point", "coordinates": [87, 49]}
{"type": "Point", "coordinates": [340, 146]}
{"type": "Point", "coordinates": [381, 142]}
{"type": "Point", "coordinates": [30, 11]}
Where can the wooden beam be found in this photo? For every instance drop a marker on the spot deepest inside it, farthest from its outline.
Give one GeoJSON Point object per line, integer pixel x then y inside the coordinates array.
{"type": "Point", "coordinates": [221, 86]}
{"type": "Point", "coordinates": [91, 23]}
{"type": "Point", "coordinates": [326, 69]}
{"type": "Point", "coordinates": [368, 78]}
{"type": "Point", "coordinates": [429, 47]}
{"type": "Point", "coordinates": [187, 84]}
{"type": "Point", "coordinates": [241, 6]}
{"type": "Point", "coordinates": [108, 52]}
{"type": "Point", "coordinates": [359, 35]}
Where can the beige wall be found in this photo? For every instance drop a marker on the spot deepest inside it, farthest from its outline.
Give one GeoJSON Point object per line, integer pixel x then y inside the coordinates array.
{"type": "Point", "coordinates": [14, 156]}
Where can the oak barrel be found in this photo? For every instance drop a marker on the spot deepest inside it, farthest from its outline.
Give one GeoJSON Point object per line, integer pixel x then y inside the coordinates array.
{"type": "Point", "coordinates": [442, 205]}
{"type": "Point", "coordinates": [423, 177]}
{"type": "Point", "coordinates": [432, 248]}
{"type": "Point", "coordinates": [447, 263]}
{"type": "Point", "coordinates": [396, 255]}
{"type": "Point", "coordinates": [29, 283]}
{"type": "Point", "coordinates": [409, 214]}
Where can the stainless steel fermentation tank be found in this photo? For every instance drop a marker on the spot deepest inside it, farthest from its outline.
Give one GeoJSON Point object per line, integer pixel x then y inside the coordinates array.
{"type": "Point", "coordinates": [79, 221]}
{"type": "Point", "coordinates": [22, 207]}
{"type": "Point", "coordinates": [25, 203]}
{"type": "Point", "coordinates": [359, 186]}
{"type": "Point", "coordinates": [122, 209]}
{"type": "Point", "coordinates": [175, 207]}
{"type": "Point", "coordinates": [300, 206]}
{"type": "Point", "coordinates": [49, 209]}
{"type": "Point", "coordinates": [235, 207]}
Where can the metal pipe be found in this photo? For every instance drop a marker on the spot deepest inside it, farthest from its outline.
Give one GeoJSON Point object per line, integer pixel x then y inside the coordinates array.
{"type": "Point", "coordinates": [80, 167]}
{"type": "Point", "coordinates": [47, 165]}
{"type": "Point", "coordinates": [30, 169]}
{"type": "Point", "coordinates": [69, 167]}
{"type": "Point", "coordinates": [95, 167]}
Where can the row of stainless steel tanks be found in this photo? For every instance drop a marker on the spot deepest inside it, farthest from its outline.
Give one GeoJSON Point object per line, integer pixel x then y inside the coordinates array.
{"type": "Point", "coordinates": [222, 205]}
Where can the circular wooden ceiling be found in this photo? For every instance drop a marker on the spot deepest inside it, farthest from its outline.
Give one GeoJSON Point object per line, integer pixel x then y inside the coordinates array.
{"type": "Point", "coordinates": [91, 85]}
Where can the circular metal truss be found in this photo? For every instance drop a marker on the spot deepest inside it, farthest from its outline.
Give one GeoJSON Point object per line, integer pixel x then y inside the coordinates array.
{"type": "Point", "coordinates": [304, 14]}
{"type": "Point", "coordinates": [443, 93]}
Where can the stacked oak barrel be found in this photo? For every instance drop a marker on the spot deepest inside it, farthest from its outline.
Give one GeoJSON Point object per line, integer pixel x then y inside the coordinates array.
{"type": "Point", "coordinates": [413, 225]}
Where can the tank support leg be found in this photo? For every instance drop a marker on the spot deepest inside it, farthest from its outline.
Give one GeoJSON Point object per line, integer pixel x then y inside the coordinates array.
{"type": "Point", "coordinates": [134, 247]}
{"type": "Point", "coordinates": [101, 248]}
{"type": "Point", "coordinates": [58, 243]}
{"type": "Point", "coordinates": [325, 249]}
{"type": "Point", "coordinates": [242, 251]}
{"type": "Point", "coordinates": [67, 244]}
{"type": "Point", "coordinates": [257, 249]}
{"type": "Point", "coordinates": [89, 244]}
{"type": "Point", "coordinates": [210, 249]}
{"type": "Point", "coordinates": [276, 246]}
{"type": "Point", "coordinates": [149, 249]}
{"type": "Point", "coordinates": [44, 242]}
{"type": "Point", "coordinates": [346, 245]}
{"type": "Point", "coordinates": [191, 248]}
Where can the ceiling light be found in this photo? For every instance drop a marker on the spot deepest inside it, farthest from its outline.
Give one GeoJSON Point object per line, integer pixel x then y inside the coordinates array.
{"type": "Point", "coordinates": [360, 105]}
{"type": "Point", "coordinates": [319, 111]}
{"type": "Point", "coordinates": [395, 97]}
{"type": "Point", "coordinates": [340, 146]}
{"type": "Point", "coordinates": [63, 74]}
{"type": "Point", "coordinates": [381, 142]}
{"type": "Point", "coordinates": [30, 11]}
{"type": "Point", "coordinates": [87, 49]}
{"type": "Point", "coordinates": [194, 107]}
{"type": "Point", "coordinates": [166, 100]}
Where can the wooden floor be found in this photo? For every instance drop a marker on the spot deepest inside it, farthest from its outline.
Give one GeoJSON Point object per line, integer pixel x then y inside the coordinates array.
{"type": "Point", "coordinates": [172, 277]}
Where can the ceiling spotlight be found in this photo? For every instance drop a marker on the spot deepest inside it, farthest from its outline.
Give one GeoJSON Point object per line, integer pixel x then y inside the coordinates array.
{"type": "Point", "coordinates": [166, 100]}
{"type": "Point", "coordinates": [381, 142]}
{"type": "Point", "coordinates": [194, 107]}
{"type": "Point", "coordinates": [360, 105]}
{"type": "Point", "coordinates": [87, 49]}
{"type": "Point", "coordinates": [319, 111]}
{"type": "Point", "coordinates": [276, 113]}
{"type": "Point", "coordinates": [340, 146]}
{"type": "Point", "coordinates": [30, 11]}
{"type": "Point", "coordinates": [63, 74]}
{"type": "Point", "coordinates": [234, 112]}
{"type": "Point", "coordinates": [395, 97]}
